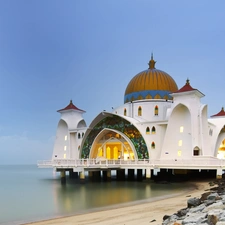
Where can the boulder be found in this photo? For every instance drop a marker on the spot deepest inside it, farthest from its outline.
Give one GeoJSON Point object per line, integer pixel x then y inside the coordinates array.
{"type": "Point", "coordinates": [193, 202]}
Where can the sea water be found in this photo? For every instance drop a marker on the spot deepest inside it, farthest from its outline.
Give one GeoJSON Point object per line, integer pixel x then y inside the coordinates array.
{"type": "Point", "coordinates": [29, 194]}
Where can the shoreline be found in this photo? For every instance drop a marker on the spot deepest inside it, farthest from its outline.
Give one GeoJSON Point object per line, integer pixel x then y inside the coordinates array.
{"type": "Point", "coordinates": [138, 212]}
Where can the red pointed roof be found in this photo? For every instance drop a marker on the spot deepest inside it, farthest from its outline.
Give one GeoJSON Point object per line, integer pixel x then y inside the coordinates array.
{"type": "Point", "coordinates": [70, 106]}
{"type": "Point", "coordinates": [221, 113]}
{"type": "Point", "coordinates": [186, 87]}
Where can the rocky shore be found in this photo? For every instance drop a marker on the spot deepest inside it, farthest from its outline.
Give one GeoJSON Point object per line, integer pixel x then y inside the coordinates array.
{"type": "Point", "coordinates": [209, 209]}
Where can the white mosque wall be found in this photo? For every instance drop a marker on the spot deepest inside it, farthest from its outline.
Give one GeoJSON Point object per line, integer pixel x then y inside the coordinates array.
{"type": "Point", "coordinates": [204, 132]}
{"type": "Point", "coordinates": [145, 110]}
{"type": "Point", "coordinates": [73, 119]}
{"type": "Point", "coordinates": [154, 140]}
{"type": "Point", "coordinates": [216, 125]}
{"type": "Point", "coordinates": [62, 144]}
{"type": "Point", "coordinates": [70, 131]}
{"type": "Point", "coordinates": [178, 139]}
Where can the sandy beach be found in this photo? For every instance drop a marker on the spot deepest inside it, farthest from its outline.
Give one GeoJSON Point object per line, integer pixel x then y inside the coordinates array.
{"type": "Point", "coordinates": [147, 212]}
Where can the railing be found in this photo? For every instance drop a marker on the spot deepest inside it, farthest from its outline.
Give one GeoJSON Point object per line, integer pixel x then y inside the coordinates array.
{"type": "Point", "coordinates": [198, 163]}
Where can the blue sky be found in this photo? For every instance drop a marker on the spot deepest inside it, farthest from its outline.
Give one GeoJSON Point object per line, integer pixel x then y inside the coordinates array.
{"type": "Point", "coordinates": [53, 51]}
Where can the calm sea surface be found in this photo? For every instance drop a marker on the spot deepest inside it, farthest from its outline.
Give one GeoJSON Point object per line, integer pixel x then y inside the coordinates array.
{"type": "Point", "coordinates": [30, 194]}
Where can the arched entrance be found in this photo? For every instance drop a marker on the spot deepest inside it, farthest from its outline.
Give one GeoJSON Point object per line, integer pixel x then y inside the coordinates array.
{"type": "Point", "coordinates": [111, 144]}
{"type": "Point", "coordinates": [221, 150]}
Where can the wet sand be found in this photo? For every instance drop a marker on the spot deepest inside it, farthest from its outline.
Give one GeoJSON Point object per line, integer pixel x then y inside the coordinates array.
{"type": "Point", "coordinates": [141, 212]}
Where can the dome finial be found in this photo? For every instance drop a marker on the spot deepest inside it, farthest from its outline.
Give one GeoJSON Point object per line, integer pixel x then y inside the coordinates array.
{"type": "Point", "coordinates": [152, 63]}
{"type": "Point", "coordinates": [187, 81]}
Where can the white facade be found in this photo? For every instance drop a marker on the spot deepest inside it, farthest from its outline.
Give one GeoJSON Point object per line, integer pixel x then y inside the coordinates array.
{"type": "Point", "coordinates": [154, 129]}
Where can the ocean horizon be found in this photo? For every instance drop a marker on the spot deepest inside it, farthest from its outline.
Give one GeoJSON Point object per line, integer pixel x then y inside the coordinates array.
{"type": "Point", "coordinates": [30, 194]}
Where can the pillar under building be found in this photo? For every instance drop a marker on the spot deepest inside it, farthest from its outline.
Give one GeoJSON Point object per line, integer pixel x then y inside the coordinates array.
{"type": "Point", "coordinates": [82, 177]}
{"type": "Point", "coordinates": [106, 175]}
{"type": "Point", "coordinates": [148, 174]}
{"type": "Point", "coordinates": [90, 175]}
{"type": "Point", "coordinates": [219, 173]}
{"type": "Point", "coordinates": [63, 176]}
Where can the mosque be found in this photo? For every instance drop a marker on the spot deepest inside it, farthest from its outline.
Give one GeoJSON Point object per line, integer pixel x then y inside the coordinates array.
{"type": "Point", "coordinates": [158, 122]}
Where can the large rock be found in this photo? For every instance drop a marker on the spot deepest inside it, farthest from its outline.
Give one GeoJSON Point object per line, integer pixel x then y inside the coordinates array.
{"type": "Point", "coordinates": [216, 205]}
{"type": "Point", "coordinates": [193, 202]}
{"type": "Point", "coordinates": [198, 208]}
{"type": "Point", "coordinates": [214, 196]}
{"type": "Point", "coordinates": [194, 218]}
{"type": "Point", "coordinates": [212, 219]}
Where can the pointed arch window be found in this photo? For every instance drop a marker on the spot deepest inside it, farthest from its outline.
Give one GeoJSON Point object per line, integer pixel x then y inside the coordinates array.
{"type": "Point", "coordinates": [78, 135]}
{"type": "Point", "coordinates": [147, 130]}
{"type": "Point", "coordinates": [153, 145]}
{"type": "Point", "coordinates": [139, 111]}
{"type": "Point", "coordinates": [82, 134]}
{"type": "Point", "coordinates": [125, 112]}
{"type": "Point", "coordinates": [210, 132]}
{"type": "Point", "coordinates": [156, 110]}
{"type": "Point", "coordinates": [153, 130]}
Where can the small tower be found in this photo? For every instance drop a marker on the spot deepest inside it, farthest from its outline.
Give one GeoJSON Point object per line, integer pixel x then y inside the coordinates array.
{"type": "Point", "coordinates": [69, 134]}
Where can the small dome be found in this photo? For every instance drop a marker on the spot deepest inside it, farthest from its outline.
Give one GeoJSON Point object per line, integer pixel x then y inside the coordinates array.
{"type": "Point", "coordinates": [150, 84]}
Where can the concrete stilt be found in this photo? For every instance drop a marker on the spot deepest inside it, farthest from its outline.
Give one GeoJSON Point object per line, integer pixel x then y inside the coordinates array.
{"type": "Point", "coordinates": [63, 176]}
{"type": "Point", "coordinates": [148, 174]}
{"type": "Point", "coordinates": [219, 173]}
{"type": "Point", "coordinates": [82, 177]}
{"type": "Point", "coordinates": [108, 175]}
{"type": "Point", "coordinates": [90, 175]}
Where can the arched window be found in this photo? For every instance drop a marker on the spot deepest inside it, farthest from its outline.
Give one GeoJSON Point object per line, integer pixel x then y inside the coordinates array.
{"type": "Point", "coordinates": [153, 145]}
{"type": "Point", "coordinates": [153, 130]}
{"type": "Point", "coordinates": [210, 132]}
{"type": "Point", "coordinates": [139, 111]}
{"type": "Point", "coordinates": [78, 135]}
{"type": "Point", "coordinates": [156, 110]}
{"type": "Point", "coordinates": [147, 130]}
{"type": "Point", "coordinates": [82, 134]}
{"type": "Point", "coordinates": [125, 112]}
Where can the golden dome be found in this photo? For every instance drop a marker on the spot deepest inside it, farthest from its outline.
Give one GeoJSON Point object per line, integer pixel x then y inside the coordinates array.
{"type": "Point", "coordinates": [150, 84]}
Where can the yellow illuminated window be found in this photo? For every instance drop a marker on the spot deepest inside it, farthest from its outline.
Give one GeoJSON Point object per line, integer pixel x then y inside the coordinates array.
{"type": "Point", "coordinates": [64, 156]}
{"type": "Point", "coordinates": [179, 153]}
{"type": "Point", "coordinates": [156, 110]}
{"type": "Point", "coordinates": [180, 143]}
{"type": "Point", "coordinates": [65, 137]}
{"type": "Point", "coordinates": [125, 112]}
{"type": "Point", "coordinates": [153, 130]}
{"type": "Point", "coordinates": [181, 129]}
{"type": "Point", "coordinates": [153, 145]}
{"type": "Point", "coordinates": [139, 111]}
{"type": "Point", "coordinates": [65, 148]}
